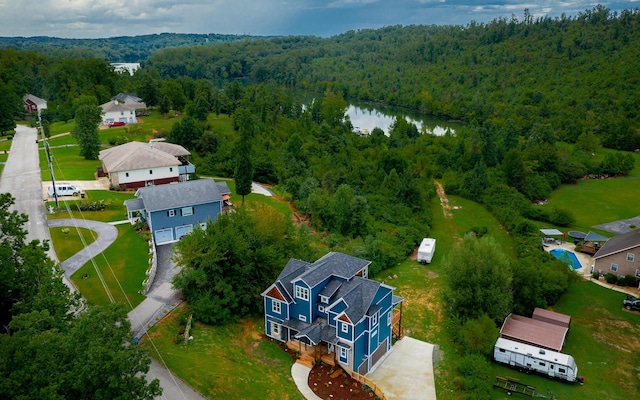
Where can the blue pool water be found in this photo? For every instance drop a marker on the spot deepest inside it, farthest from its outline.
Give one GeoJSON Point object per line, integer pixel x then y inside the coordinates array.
{"type": "Point", "coordinates": [566, 256]}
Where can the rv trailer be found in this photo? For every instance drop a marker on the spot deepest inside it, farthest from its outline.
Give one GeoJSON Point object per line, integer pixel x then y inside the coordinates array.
{"type": "Point", "coordinates": [426, 250]}
{"type": "Point", "coordinates": [531, 358]}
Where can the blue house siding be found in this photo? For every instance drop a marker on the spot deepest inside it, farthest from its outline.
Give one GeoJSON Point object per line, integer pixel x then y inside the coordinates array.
{"type": "Point", "coordinates": [302, 307]}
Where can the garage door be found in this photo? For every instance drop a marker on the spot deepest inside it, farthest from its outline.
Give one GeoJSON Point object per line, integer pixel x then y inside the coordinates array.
{"type": "Point", "coordinates": [163, 235]}
{"type": "Point", "coordinates": [183, 230]}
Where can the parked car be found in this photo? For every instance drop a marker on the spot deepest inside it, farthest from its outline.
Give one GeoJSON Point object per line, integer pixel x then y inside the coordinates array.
{"type": "Point", "coordinates": [116, 123]}
{"type": "Point", "coordinates": [631, 303]}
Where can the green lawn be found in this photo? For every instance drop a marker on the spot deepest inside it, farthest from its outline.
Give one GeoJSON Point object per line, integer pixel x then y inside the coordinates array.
{"type": "Point", "coordinates": [68, 165]}
{"type": "Point", "coordinates": [229, 362]}
{"type": "Point", "coordinates": [115, 211]}
{"type": "Point", "coordinates": [604, 340]}
{"type": "Point", "coordinates": [127, 259]}
{"type": "Point", "coordinates": [70, 240]}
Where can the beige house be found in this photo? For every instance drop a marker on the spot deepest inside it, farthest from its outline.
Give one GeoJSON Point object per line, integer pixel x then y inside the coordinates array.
{"type": "Point", "coordinates": [136, 164]}
{"type": "Point", "coordinates": [620, 255]}
{"type": "Point", "coordinates": [122, 108]}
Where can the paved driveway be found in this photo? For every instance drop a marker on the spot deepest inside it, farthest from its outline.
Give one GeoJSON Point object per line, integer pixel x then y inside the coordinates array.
{"type": "Point", "coordinates": [407, 373]}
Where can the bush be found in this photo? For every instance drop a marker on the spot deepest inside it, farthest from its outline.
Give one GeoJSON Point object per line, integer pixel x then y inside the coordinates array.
{"type": "Point", "coordinates": [629, 280]}
{"type": "Point", "coordinates": [611, 278]}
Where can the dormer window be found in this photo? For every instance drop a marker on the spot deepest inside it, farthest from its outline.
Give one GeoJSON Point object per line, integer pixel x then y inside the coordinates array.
{"type": "Point", "coordinates": [324, 299]}
{"type": "Point", "coordinates": [302, 293]}
{"type": "Point", "coordinates": [374, 319]}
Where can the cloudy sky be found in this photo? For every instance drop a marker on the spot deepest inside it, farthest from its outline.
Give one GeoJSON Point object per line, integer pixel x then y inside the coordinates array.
{"type": "Point", "coordinates": [107, 18]}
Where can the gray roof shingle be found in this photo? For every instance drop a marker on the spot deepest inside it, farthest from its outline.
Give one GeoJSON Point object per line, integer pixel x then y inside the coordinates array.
{"type": "Point", "coordinates": [619, 243]}
{"type": "Point", "coordinates": [333, 264]}
{"type": "Point", "coordinates": [183, 194]}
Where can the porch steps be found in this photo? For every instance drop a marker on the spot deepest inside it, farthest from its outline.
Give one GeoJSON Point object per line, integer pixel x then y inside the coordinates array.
{"type": "Point", "coordinates": [306, 360]}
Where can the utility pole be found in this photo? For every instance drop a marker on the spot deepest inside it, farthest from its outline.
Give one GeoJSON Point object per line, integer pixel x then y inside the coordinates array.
{"type": "Point", "coordinates": [49, 158]}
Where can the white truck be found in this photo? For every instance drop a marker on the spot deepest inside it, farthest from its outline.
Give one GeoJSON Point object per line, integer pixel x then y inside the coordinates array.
{"type": "Point", "coordinates": [426, 250]}
{"type": "Point", "coordinates": [526, 357]}
{"type": "Point", "coordinates": [63, 189]}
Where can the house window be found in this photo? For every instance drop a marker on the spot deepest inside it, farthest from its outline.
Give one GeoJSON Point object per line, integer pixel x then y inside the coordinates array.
{"type": "Point", "coordinates": [186, 211]}
{"type": "Point", "coordinates": [631, 257]}
{"type": "Point", "coordinates": [170, 169]}
{"type": "Point", "coordinates": [542, 364]}
{"type": "Point", "coordinates": [302, 317]}
{"type": "Point", "coordinates": [501, 350]}
{"type": "Point", "coordinates": [389, 318]}
{"type": "Point", "coordinates": [126, 174]}
{"type": "Point", "coordinates": [344, 353]}
{"type": "Point", "coordinates": [275, 306]}
{"type": "Point", "coordinates": [324, 299]}
{"type": "Point", "coordinates": [150, 172]}
{"type": "Point", "coordinates": [171, 213]}
{"type": "Point", "coordinates": [321, 308]}
{"type": "Point", "coordinates": [302, 293]}
{"type": "Point", "coordinates": [638, 273]}
{"type": "Point", "coordinates": [121, 112]}
{"type": "Point", "coordinates": [344, 327]}
{"type": "Point", "coordinates": [614, 267]}
{"type": "Point", "coordinates": [203, 225]}
{"type": "Point", "coordinates": [374, 319]}
{"type": "Point", "coordinates": [275, 329]}
{"type": "Point", "coordinates": [562, 370]}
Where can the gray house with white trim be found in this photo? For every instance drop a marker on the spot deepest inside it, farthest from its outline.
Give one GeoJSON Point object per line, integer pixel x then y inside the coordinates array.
{"type": "Point", "coordinates": [173, 210]}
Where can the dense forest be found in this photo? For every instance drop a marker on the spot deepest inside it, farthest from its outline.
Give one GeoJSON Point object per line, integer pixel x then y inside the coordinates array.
{"type": "Point", "coordinates": [115, 49]}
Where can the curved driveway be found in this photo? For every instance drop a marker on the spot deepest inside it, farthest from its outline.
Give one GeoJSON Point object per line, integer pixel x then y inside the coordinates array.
{"type": "Point", "coordinates": [107, 234]}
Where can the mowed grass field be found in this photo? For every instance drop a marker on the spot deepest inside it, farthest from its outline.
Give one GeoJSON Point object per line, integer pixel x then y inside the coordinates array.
{"type": "Point", "coordinates": [598, 201]}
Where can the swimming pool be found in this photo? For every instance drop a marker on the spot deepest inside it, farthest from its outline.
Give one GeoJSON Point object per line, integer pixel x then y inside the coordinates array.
{"type": "Point", "coordinates": [566, 256]}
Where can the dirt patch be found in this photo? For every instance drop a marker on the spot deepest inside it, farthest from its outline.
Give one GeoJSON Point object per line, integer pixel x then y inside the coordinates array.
{"type": "Point", "coordinates": [329, 382]}
{"type": "Point", "coordinates": [444, 201]}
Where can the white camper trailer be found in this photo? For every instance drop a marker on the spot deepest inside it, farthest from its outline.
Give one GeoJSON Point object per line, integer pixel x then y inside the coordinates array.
{"type": "Point", "coordinates": [532, 358]}
{"type": "Point", "coordinates": [426, 250]}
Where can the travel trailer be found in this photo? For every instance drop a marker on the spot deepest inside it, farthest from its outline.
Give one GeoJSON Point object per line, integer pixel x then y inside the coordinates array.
{"type": "Point", "coordinates": [426, 250]}
{"type": "Point", "coordinates": [531, 358]}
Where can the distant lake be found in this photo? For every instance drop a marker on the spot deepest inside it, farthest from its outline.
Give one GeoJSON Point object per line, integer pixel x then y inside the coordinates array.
{"type": "Point", "coordinates": [367, 118]}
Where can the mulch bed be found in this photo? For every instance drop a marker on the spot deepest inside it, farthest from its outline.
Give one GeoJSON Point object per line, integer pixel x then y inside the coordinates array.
{"type": "Point", "coordinates": [333, 383]}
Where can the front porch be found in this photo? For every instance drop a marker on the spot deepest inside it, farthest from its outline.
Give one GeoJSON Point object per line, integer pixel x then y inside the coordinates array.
{"type": "Point", "coordinates": [309, 354]}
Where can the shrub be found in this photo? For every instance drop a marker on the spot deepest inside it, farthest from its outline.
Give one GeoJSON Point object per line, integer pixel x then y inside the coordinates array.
{"type": "Point", "coordinates": [630, 280]}
{"type": "Point", "coordinates": [611, 278]}
{"type": "Point", "coordinates": [595, 275]}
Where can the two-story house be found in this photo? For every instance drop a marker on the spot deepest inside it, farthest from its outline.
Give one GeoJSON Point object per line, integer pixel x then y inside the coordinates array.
{"type": "Point", "coordinates": [173, 210]}
{"type": "Point", "coordinates": [330, 307]}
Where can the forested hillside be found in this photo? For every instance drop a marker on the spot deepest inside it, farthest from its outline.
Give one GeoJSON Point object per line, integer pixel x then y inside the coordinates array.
{"type": "Point", "coordinates": [578, 74]}
{"type": "Point", "coordinates": [115, 49]}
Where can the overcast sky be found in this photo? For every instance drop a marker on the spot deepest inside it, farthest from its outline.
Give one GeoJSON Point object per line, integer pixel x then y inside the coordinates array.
{"type": "Point", "coordinates": [108, 18]}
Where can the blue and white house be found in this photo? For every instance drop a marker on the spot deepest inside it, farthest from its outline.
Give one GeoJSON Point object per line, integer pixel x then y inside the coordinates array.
{"type": "Point", "coordinates": [173, 210]}
{"type": "Point", "coordinates": [332, 309]}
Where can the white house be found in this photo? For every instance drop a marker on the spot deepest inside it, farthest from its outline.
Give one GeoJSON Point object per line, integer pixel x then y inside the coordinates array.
{"type": "Point", "coordinates": [119, 110]}
{"type": "Point", "coordinates": [136, 164]}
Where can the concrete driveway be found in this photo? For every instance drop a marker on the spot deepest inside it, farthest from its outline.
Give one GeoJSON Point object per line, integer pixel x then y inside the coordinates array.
{"type": "Point", "coordinates": [407, 373]}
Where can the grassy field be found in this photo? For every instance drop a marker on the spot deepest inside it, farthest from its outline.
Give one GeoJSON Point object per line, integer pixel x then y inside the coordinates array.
{"type": "Point", "coordinates": [599, 201]}
{"type": "Point", "coordinates": [69, 240]}
{"type": "Point", "coordinates": [127, 260]}
{"type": "Point", "coordinates": [68, 165]}
{"type": "Point", "coordinates": [229, 362]}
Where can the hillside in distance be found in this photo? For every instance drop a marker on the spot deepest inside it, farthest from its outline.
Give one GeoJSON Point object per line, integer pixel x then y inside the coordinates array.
{"type": "Point", "coordinates": [114, 49]}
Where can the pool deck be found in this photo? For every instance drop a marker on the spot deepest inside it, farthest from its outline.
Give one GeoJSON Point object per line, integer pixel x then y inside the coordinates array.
{"type": "Point", "coordinates": [587, 262]}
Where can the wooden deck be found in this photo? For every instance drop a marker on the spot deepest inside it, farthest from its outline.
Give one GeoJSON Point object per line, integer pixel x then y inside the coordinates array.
{"type": "Point", "coordinates": [308, 354]}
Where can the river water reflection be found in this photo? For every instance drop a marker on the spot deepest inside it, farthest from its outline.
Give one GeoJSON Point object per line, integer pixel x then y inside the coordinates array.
{"type": "Point", "coordinates": [366, 119]}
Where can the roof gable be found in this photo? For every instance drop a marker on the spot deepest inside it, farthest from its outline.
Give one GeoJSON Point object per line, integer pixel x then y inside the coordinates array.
{"type": "Point", "coordinates": [274, 293]}
{"type": "Point", "coordinates": [616, 244]}
{"type": "Point", "coordinates": [175, 195]}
